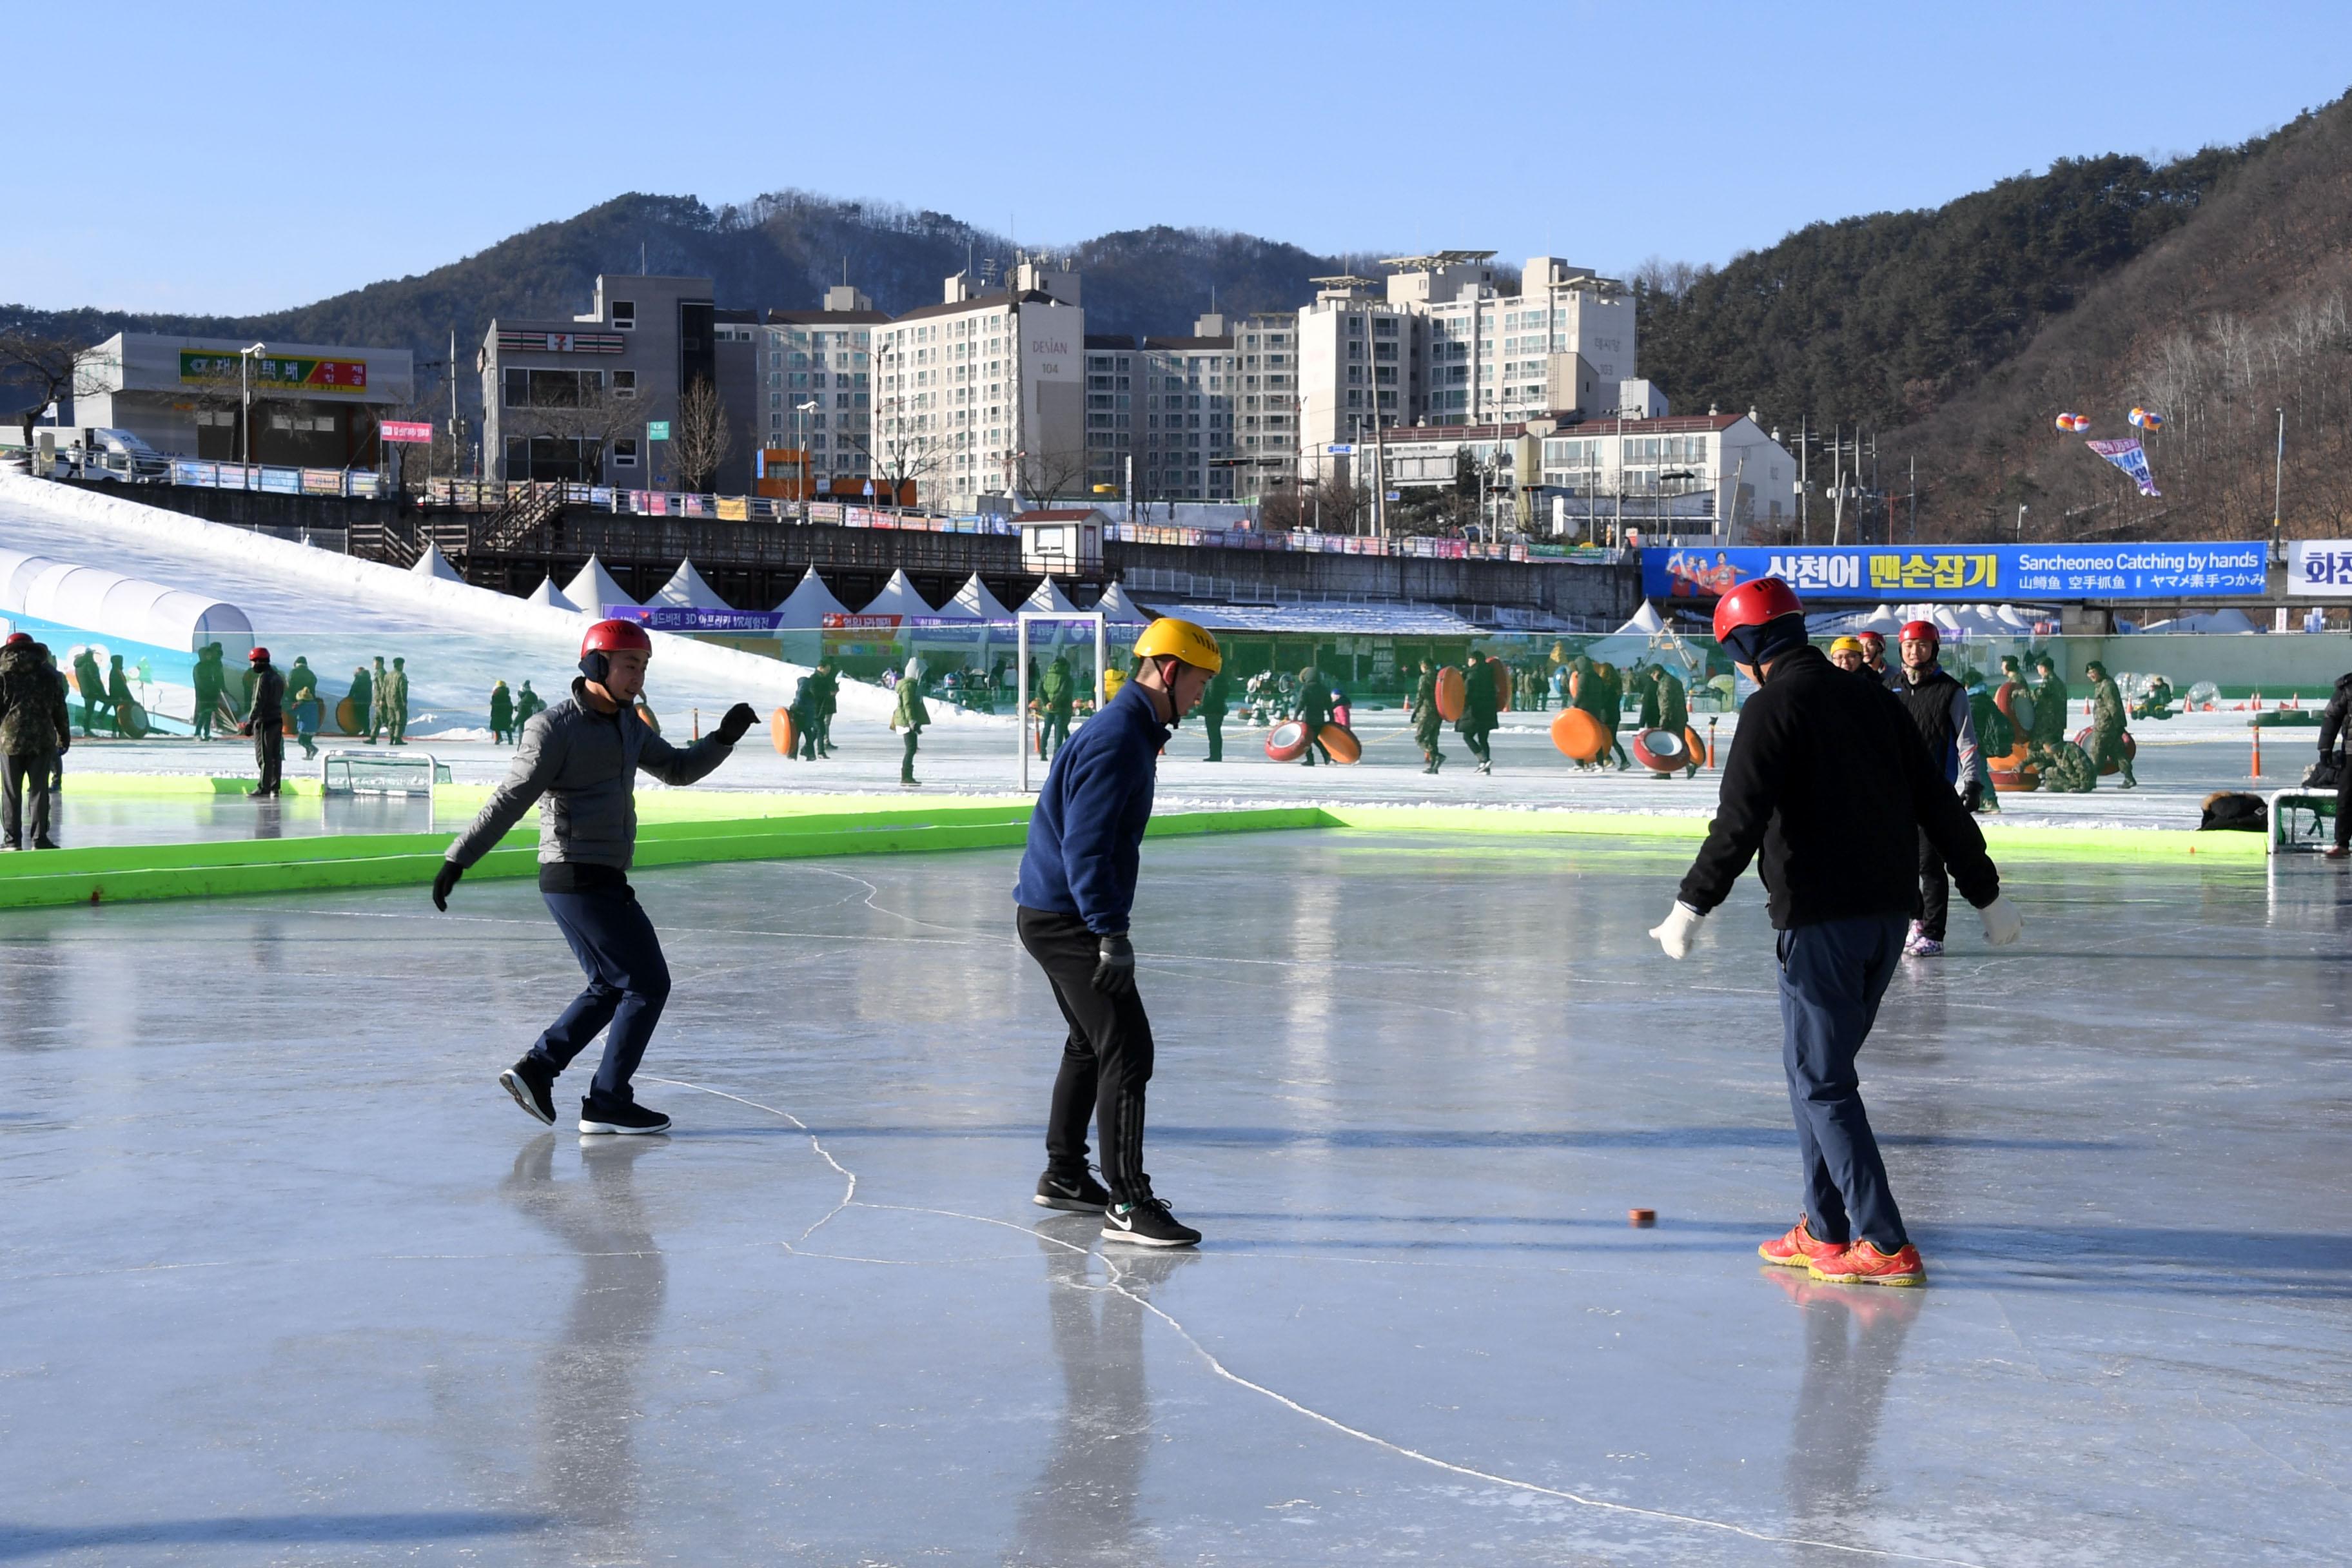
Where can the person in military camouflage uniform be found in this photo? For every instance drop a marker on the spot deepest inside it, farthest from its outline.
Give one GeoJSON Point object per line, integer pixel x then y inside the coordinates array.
{"type": "Point", "coordinates": [1057, 692]}
{"type": "Point", "coordinates": [2158, 704]}
{"type": "Point", "coordinates": [2065, 768]}
{"type": "Point", "coordinates": [1214, 698]}
{"type": "Point", "coordinates": [2108, 723]}
{"type": "Point", "coordinates": [2050, 696]}
{"type": "Point", "coordinates": [1426, 720]}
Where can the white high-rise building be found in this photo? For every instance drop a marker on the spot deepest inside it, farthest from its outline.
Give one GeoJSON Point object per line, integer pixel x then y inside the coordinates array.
{"type": "Point", "coordinates": [1359, 366]}
{"type": "Point", "coordinates": [984, 394]}
{"type": "Point", "coordinates": [821, 357]}
{"type": "Point", "coordinates": [1559, 346]}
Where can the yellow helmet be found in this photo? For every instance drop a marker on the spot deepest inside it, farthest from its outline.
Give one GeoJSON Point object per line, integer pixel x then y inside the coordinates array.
{"type": "Point", "coordinates": [1169, 636]}
{"type": "Point", "coordinates": [1847, 644]}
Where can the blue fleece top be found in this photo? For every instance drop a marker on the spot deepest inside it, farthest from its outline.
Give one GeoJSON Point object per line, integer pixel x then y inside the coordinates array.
{"type": "Point", "coordinates": [1086, 832]}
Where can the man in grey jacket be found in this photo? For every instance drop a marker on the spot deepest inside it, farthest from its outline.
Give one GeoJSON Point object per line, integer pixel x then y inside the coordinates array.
{"type": "Point", "coordinates": [582, 755]}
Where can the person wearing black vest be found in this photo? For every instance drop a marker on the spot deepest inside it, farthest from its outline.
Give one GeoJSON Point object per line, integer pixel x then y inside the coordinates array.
{"type": "Point", "coordinates": [1938, 705]}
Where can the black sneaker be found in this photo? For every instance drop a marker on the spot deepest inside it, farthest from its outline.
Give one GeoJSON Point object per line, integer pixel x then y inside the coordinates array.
{"type": "Point", "coordinates": [630, 1118]}
{"type": "Point", "coordinates": [1146, 1224]}
{"type": "Point", "coordinates": [532, 1087]}
{"type": "Point", "coordinates": [1080, 1193]}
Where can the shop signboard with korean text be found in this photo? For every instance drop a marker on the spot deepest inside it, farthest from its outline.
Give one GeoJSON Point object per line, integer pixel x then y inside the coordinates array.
{"type": "Point", "coordinates": [1967, 572]}
{"type": "Point", "coordinates": [413, 432]}
{"type": "Point", "coordinates": [274, 373]}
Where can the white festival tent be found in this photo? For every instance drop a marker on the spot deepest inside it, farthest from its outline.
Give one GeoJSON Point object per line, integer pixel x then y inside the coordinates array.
{"type": "Point", "coordinates": [898, 598]}
{"type": "Point", "coordinates": [1120, 610]}
{"type": "Point", "coordinates": [805, 608]}
{"type": "Point", "coordinates": [973, 602]}
{"type": "Point", "coordinates": [548, 594]}
{"type": "Point", "coordinates": [687, 590]}
{"type": "Point", "coordinates": [595, 589]}
{"type": "Point", "coordinates": [1647, 638]}
{"type": "Point", "coordinates": [433, 564]}
{"type": "Point", "coordinates": [1049, 600]}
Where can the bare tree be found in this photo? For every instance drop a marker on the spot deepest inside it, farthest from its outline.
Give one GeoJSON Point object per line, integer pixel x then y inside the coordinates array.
{"type": "Point", "coordinates": [596, 415]}
{"type": "Point", "coordinates": [53, 370]}
{"type": "Point", "coordinates": [1044, 475]}
{"type": "Point", "coordinates": [703, 437]}
{"type": "Point", "coordinates": [900, 447]}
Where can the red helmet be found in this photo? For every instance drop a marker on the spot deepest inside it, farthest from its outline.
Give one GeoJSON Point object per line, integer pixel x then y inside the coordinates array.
{"type": "Point", "coordinates": [258, 656]}
{"type": "Point", "coordinates": [610, 636]}
{"type": "Point", "coordinates": [1923, 631]}
{"type": "Point", "coordinates": [1752, 604]}
{"type": "Point", "coordinates": [19, 639]}
{"type": "Point", "coordinates": [1872, 643]}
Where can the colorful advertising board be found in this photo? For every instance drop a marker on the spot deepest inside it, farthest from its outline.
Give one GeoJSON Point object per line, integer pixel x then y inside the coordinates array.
{"type": "Point", "coordinates": [1967, 572]}
{"type": "Point", "coordinates": [684, 618]}
{"type": "Point", "coordinates": [274, 373]}
{"type": "Point", "coordinates": [2319, 568]}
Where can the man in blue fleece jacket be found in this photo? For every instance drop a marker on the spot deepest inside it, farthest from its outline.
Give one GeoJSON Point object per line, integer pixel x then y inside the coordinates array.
{"type": "Point", "coordinates": [1076, 886]}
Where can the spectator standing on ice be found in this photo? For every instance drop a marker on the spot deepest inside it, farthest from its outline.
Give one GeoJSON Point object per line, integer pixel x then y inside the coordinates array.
{"type": "Point", "coordinates": [1314, 712]}
{"type": "Point", "coordinates": [118, 691]}
{"type": "Point", "coordinates": [1938, 706]}
{"type": "Point", "coordinates": [582, 754]}
{"type": "Point", "coordinates": [910, 716]}
{"type": "Point", "coordinates": [2107, 720]}
{"type": "Point", "coordinates": [1074, 897]}
{"type": "Point", "coordinates": [526, 702]}
{"type": "Point", "coordinates": [92, 686]}
{"type": "Point", "coordinates": [210, 682]}
{"type": "Point", "coordinates": [502, 719]}
{"type": "Point", "coordinates": [265, 721]}
{"type": "Point", "coordinates": [2335, 724]}
{"type": "Point", "coordinates": [373, 712]}
{"type": "Point", "coordinates": [1428, 724]}
{"type": "Point", "coordinates": [828, 700]}
{"type": "Point", "coordinates": [302, 704]}
{"type": "Point", "coordinates": [1056, 691]}
{"type": "Point", "coordinates": [35, 730]}
{"type": "Point", "coordinates": [392, 697]}
{"type": "Point", "coordinates": [804, 711]}
{"type": "Point", "coordinates": [1215, 698]}
{"type": "Point", "coordinates": [1832, 785]}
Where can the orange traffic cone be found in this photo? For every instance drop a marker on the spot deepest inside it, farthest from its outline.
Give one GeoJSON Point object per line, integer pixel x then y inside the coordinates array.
{"type": "Point", "coordinates": [2258, 750]}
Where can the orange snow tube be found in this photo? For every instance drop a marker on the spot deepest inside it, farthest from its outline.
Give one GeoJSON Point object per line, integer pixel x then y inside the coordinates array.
{"type": "Point", "coordinates": [1341, 743]}
{"type": "Point", "coordinates": [1662, 752]}
{"type": "Point", "coordinates": [1502, 685]}
{"type": "Point", "coordinates": [1578, 734]}
{"type": "Point", "coordinates": [1452, 694]}
{"type": "Point", "coordinates": [782, 731]}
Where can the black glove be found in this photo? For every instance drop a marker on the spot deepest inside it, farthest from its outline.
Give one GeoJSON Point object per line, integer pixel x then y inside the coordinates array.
{"type": "Point", "coordinates": [1972, 797]}
{"type": "Point", "coordinates": [1115, 966]}
{"type": "Point", "coordinates": [739, 719]}
{"type": "Point", "coordinates": [444, 881]}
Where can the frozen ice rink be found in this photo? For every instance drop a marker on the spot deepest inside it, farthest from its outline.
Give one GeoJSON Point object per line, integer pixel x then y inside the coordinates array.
{"type": "Point", "coordinates": [287, 1279]}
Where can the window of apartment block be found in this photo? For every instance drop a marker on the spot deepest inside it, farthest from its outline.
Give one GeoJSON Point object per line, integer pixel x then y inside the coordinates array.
{"type": "Point", "coordinates": [625, 383]}
{"type": "Point", "coordinates": [624, 452]}
{"type": "Point", "coordinates": [1385, 327]}
{"type": "Point", "coordinates": [624, 316]}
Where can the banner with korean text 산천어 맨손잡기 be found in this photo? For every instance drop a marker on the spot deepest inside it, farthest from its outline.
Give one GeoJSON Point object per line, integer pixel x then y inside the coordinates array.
{"type": "Point", "coordinates": [1964, 572]}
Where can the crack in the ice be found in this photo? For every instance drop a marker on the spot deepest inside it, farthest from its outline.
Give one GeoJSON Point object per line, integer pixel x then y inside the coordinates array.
{"type": "Point", "coordinates": [1220, 1369]}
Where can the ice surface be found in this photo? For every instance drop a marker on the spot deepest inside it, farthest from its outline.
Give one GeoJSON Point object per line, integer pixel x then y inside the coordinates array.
{"type": "Point", "coordinates": [290, 1280]}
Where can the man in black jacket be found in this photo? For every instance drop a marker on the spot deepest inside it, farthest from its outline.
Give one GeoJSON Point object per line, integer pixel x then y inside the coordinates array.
{"type": "Point", "coordinates": [1830, 781]}
{"type": "Point", "coordinates": [266, 722]}
{"type": "Point", "coordinates": [1938, 705]}
{"type": "Point", "coordinates": [2333, 727]}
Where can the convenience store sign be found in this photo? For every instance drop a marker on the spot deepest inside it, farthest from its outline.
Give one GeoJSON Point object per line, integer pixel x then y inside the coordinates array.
{"type": "Point", "coordinates": [276, 371]}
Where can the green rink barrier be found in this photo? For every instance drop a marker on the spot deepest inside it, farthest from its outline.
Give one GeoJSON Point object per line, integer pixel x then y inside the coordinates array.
{"type": "Point", "coordinates": [228, 869]}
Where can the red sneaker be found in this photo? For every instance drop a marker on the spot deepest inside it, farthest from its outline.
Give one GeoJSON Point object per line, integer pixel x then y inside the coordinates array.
{"type": "Point", "coordinates": [1863, 1264]}
{"type": "Point", "coordinates": [1797, 1248]}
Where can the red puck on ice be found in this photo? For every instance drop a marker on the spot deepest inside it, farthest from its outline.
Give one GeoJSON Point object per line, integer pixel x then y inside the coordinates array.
{"type": "Point", "coordinates": [1644, 1217]}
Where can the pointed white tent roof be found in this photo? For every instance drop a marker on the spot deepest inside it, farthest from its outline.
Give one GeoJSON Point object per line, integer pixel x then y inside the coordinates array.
{"type": "Point", "coordinates": [1119, 609]}
{"type": "Point", "coordinates": [686, 588]}
{"type": "Point", "coordinates": [548, 594]}
{"type": "Point", "coordinates": [808, 604]}
{"type": "Point", "coordinates": [433, 564]}
{"type": "Point", "coordinates": [897, 598]}
{"type": "Point", "coordinates": [593, 589]}
{"type": "Point", "coordinates": [973, 602]}
{"type": "Point", "coordinates": [1049, 599]}
{"type": "Point", "coordinates": [1646, 621]}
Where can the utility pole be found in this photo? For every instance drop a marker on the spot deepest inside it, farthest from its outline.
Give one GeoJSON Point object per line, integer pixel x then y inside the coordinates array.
{"type": "Point", "coordinates": [1914, 501]}
{"type": "Point", "coordinates": [1804, 479]}
{"type": "Point", "coordinates": [2278, 478]}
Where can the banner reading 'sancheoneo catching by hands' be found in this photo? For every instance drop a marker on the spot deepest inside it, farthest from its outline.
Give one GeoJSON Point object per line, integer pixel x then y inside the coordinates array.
{"type": "Point", "coordinates": [1965, 572]}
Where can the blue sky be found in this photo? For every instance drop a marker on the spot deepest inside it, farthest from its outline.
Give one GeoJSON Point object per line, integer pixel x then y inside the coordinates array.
{"type": "Point", "coordinates": [236, 158]}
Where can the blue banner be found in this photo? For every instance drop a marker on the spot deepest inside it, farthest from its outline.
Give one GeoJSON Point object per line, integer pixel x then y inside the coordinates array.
{"type": "Point", "coordinates": [1967, 572]}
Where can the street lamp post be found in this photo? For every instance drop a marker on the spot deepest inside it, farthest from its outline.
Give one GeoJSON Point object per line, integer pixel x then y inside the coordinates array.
{"type": "Point", "coordinates": [2023, 506]}
{"type": "Point", "coordinates": [800, 435]}
{"type": "Point", "coordinates": [244, 409]}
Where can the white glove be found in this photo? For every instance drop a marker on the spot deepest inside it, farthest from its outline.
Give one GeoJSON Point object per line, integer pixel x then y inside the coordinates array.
{"type": "Point", "coordinates": [2002, 923]}
{"type": "Point", "coordinates": [1678, 929]}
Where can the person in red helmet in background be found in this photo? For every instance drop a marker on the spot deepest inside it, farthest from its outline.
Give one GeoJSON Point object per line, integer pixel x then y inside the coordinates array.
{"type": "Point", "coordinates": [583, 754]}
{"type": "Point", "coordinates": [265, 721]}
{"type": "Point", "coordinates": [1830, 781]}
{"type": "Point", "coordinates": [1873, 660]}
{"type": "Point", "coordinates": [1938, 705]}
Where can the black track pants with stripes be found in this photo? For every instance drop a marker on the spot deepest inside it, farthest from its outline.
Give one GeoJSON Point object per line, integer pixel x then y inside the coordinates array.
{"type": "Point", "coordinates": [1106, 1060]}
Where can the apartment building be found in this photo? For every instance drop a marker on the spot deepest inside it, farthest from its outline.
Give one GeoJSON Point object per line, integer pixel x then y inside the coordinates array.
{"type": "Point", "coordinates": [1185, 449]}
{"type": "Point", "coordinates": [1560, 345]}
{"type": "Point", "coordinates": [1266, 345]}
{"type": "Point", "coordinates": [815, 391]}
{"type": "Point", "coordinates": [984, 394]}
{"type": "Point", "coordinates": [1358, 367]}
